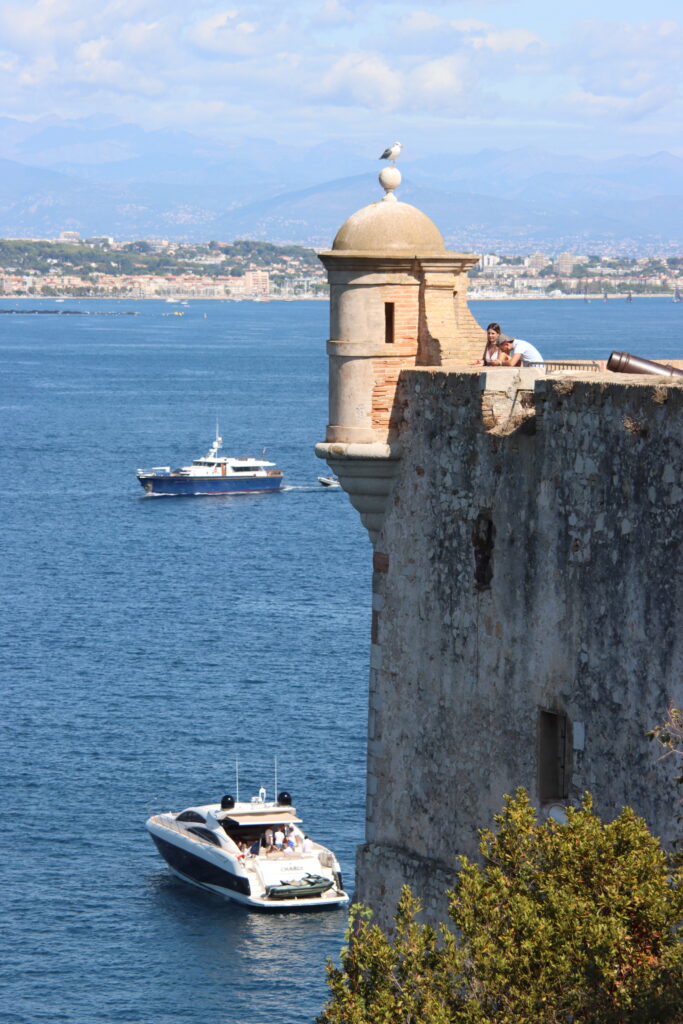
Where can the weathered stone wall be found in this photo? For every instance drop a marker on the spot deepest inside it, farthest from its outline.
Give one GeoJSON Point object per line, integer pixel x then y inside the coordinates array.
{"type": "Point", "coordinates": [530, 561]}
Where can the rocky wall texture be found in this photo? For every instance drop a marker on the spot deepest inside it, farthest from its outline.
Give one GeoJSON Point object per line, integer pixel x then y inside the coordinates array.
{"type": "Point", "coordinates": [527, 579]}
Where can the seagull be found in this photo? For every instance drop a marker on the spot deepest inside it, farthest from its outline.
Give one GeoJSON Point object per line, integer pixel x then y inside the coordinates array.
{"type": "Point", "coordinates": [392, 153]}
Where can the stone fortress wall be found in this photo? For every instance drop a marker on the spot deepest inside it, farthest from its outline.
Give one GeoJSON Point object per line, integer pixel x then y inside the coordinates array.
{"type": "Point", "coordinates": [526, 573]}
{"type": "Point", "coordinates": [526, 616]}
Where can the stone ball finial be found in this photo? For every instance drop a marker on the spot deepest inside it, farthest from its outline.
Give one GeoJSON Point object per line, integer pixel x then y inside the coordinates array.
{"type": "Point", "coordinates": [389, 179]}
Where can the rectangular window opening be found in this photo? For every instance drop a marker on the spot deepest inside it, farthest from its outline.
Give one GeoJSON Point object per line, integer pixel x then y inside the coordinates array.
{"type": "Point", "coordinates": [389, 323]}
{"type": "Point", "coordinates": [483, 538]}
{"type": "Point", "coordinates": [553, 756]}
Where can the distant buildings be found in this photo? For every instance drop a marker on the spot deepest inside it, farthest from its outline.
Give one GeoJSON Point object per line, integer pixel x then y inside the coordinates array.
{"type": "Point", "coordinates": [573, 274]}
{"type": "Point", "coordinates": [101, 266]}
{"type": "Point", "coordinates": [254, 282]}
{"type": "Point", "coordinates": [564, 264]}
{"type": "Point", "coordinates": [537, 261]}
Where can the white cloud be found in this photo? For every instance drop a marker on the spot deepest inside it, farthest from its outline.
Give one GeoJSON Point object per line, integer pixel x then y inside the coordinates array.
{"type": "Point", "coordinates": [438, 82]}
{"type": "Point", "coordinates": [140, 37]}
{"type": "Point", "coordinates": [96, 64]}
{"type": "Point", "coordinates": [39, 26]}
{"type": "Point", "coordinates": [470, 25]}
{"type": "Point", "coordinates": [419, 22]}
{"type": "Point", "coordinates": [622, 108]}
{"type": "Point", "coordinates": [332, 12]}
{"type": "Point", "coordinates": [514, 40]}
{"type": "Point", "coordinates": [226, 33]}
{"type": "Point", "coordinates": [8, 62]}
{"type": "Point", "coordinates": [35, 73]}
{"type": "Point", "coordinates": [626, 73]}
{"type": "Point", "coordinates": [92, 51]}
{"type": "Point", "coordinates": [268, 66]}
{"type": "Point", "coordinates": [363, 78]}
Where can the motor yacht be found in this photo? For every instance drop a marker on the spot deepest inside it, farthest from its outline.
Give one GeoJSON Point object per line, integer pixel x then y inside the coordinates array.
{"type": "Point", "coordinates": [232, 848]}
{"type": "Point", "coordinates": [213, 474]}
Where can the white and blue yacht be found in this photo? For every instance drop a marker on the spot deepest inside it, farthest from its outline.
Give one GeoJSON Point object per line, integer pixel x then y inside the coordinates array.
{"type": "Point", "coordinates": [253, 853]}
{"type": "Point", "coordinates": [213, 474]}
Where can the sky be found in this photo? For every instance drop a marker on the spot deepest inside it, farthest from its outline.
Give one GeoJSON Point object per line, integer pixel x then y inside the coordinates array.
{"type": "Point", "coordinates": [601, 77]}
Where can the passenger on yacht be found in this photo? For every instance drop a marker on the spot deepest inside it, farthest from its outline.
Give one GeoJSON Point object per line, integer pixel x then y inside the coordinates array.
{"type": "Point", "coordinates": [289, 838]}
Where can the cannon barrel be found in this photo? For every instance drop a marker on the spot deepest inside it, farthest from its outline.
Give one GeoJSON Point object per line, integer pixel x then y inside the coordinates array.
{"type": "Point", "coordinates": [624, 362]}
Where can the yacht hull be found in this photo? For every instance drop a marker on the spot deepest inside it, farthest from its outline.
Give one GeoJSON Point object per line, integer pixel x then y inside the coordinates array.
{"type": "Point", "coordinates": [200, 871]}
{"type": "Point", "coordinates": [210, 870]}
{"type": "Point", "coordinates": [266, 906]}
{"type": "Point", "coordinates": [190, 485]}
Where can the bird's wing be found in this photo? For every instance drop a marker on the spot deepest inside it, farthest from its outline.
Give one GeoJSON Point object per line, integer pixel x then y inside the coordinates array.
{"type": "Point", "coordinates": [386, 155]}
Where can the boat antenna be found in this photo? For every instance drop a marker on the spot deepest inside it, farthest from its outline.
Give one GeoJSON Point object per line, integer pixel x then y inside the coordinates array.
{"type": "Point", "coordinates": [275, 769]}
{"type": "Point", "coordinates": [237, 779]}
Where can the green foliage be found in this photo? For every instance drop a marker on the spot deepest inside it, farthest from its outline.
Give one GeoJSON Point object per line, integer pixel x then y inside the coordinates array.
{"type": "Point", "coordinates": [670, 735]}
{"type": "Point", "coordinates": [387, 982]}
{"type": "Point", "coordinates": [576, 922]}
{"type": "Point", "coordinates": [132, 258]}
{"type": "Point", "coordinates": [267, 253]}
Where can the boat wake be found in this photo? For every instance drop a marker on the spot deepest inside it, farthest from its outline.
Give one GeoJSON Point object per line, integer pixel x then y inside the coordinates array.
{"type": "Point", "coordinates": [303, 487]}
{"type": "Point", "coordinates": [285, 487]}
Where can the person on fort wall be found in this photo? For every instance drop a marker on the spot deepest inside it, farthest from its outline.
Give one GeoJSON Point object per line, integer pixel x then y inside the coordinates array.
{"type": "Point", "coordinates": [501, 350]}
{"type": "Point", "coordinates": [516, 352]}
{"type": "Point", "coordinates": [492, 354]}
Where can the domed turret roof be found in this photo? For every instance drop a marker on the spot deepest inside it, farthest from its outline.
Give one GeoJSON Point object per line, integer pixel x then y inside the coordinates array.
{"type": "Point", "coordinates": [389, 227]}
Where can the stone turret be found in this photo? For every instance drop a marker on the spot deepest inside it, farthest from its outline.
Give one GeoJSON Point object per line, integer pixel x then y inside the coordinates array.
{"type": "Point", "coordinates": [398, 299]}
{"type": "Point", "coordinates": [526, 572]}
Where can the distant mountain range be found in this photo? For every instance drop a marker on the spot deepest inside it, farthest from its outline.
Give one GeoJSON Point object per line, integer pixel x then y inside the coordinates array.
{"type": "Point", "coordinates": [107, 178]}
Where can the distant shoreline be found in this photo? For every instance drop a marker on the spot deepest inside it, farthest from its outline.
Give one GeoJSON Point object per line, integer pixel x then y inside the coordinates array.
{"type": "Point", "coordinates": [317, 298]}
{"type": "Point", "coordinates": [160, 298]}
{"type": "Point", "coordinates": [553, 298]}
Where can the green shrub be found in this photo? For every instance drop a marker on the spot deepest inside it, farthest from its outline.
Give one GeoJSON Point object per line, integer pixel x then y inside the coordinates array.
{"type": "Point", "coordinates": [670, 736]}
{"type": "Point", "coordinates": [561, 924]}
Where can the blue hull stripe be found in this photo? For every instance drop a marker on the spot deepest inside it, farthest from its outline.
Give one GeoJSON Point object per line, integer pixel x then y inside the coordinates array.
{"type": "Point", "coordinates": [200, 870]}
{"type": "Point", "coordinates": [208, 485]}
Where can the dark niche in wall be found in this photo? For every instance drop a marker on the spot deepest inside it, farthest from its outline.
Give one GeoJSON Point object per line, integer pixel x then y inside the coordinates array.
{"type": "Point", "coordinates": [483, 538]}
{"type": "Point", "coordinates": [553, 756]}
{"type": "Point", "coordinates": [388, 323]}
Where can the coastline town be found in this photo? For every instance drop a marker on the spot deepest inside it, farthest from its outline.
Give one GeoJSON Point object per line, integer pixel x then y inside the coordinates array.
{"type": "Point", "coordinates": [71, 266]}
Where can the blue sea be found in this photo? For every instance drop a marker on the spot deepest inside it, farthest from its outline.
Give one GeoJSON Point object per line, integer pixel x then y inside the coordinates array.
{"type": "Point", "coordinates": [150, 643]}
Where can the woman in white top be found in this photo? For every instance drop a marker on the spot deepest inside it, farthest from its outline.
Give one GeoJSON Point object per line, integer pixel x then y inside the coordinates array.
{"type": "Point", "coordinates": [492, 354]}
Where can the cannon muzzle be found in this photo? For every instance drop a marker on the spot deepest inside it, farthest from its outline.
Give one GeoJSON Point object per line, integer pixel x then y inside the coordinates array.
{"type": "Point", "coordinates": [624, 362]}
